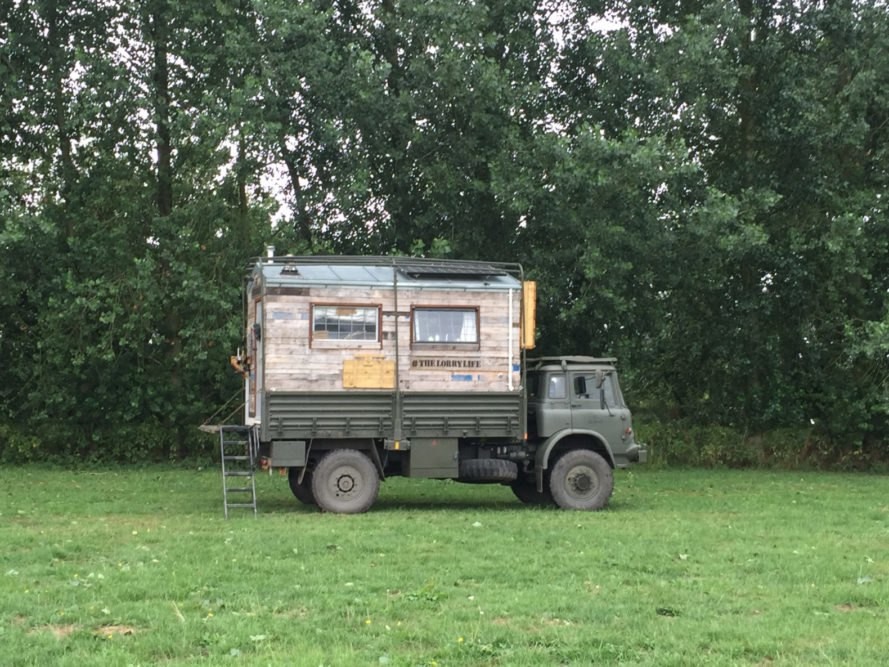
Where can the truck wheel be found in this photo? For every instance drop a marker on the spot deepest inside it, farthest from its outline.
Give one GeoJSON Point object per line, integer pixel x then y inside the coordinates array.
{"type": "Point", "coordinates": [581, 480]}
{"type": "Point", "coordinates": [303, 492]}
{"type": "Point", "coordinates": [345, 482]}
{"type": "Point", "coordinates": [487, 470]}
{"type": "Point", "coordinates": [527, 492]}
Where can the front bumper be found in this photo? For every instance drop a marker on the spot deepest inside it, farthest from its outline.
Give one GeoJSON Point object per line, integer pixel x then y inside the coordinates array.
{"type": "Point", "coordinates": [636, 453]}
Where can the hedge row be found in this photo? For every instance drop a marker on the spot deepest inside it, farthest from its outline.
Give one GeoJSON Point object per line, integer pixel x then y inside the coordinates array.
{"type": "Point", "coordinates": [681, 443]}
{"type": "Point", "coordinates": [671, 444]}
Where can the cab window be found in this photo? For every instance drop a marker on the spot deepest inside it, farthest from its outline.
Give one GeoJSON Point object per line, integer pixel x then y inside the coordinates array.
{"type": "Point", "coordinates": [585, 386]}
{"type": "Point", "coordinates": [556, 387]}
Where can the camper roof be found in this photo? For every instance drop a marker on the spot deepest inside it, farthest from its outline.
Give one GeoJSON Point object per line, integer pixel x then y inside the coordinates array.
{"type": "Point", "coordinates": [384, 271]}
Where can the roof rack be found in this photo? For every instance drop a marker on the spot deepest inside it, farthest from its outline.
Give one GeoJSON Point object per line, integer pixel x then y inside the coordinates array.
{"type": "Point", "coordinates": [415, 267]}
{"type": "Point", "coordinates": [573, 360]}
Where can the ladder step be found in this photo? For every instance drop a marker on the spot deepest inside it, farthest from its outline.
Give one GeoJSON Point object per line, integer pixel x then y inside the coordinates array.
{"type": "Point", "coordinates": [239, 447]}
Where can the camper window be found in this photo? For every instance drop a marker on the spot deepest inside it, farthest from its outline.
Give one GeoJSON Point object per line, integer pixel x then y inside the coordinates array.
{"type": "Point", "coordinates": [445, 325]}
{"type": "Point", "coordinates": [345, 323]}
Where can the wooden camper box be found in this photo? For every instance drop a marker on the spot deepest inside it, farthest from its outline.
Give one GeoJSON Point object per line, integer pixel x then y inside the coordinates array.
{"type": "Point", "coordinates": [384, 348]}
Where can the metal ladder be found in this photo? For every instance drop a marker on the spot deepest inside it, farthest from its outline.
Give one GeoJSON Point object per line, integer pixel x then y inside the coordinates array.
{"type": "Point", "coordinates": [238, 447]}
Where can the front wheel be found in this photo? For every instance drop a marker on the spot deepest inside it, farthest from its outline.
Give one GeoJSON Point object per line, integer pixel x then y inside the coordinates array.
{"type": "Point", "coordinates": [526, 491]}
{"type": "Point", "coordinates": [345, 482]}
{"type": "Point", "coordinates": [581, 480]}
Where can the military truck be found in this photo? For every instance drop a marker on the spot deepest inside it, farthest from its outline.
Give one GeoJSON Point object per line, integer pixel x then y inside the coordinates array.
{"type": "Point", "coordinates": [361, 368]}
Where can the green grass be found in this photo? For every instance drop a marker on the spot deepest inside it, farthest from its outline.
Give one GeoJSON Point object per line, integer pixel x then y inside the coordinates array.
{"type": "Point", "coordinates": [138, 567]}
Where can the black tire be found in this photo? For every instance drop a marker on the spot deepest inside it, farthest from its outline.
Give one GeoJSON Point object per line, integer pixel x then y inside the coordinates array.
{"type": "Point", "coordinates": [527, 492]}
{"type": "Point", "coordinates": [345, 482]}
{"type": "Point", "coordinates": [581, 480]}
{"type": "Point", "coordinates": [303, 492]}
{"type": "Point", "coordinates": [488, 470]}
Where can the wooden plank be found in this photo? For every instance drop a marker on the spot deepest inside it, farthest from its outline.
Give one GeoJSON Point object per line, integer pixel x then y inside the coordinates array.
{"type": "Point", "coordinates": [369, 373]}
{"type": "Point", "coordinates": [485, 385]}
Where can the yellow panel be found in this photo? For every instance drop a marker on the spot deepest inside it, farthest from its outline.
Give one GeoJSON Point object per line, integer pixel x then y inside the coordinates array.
{"type": "Point", "coordinates": [529, 314]}
{"type": "Point", "coordinates": [368, 373]}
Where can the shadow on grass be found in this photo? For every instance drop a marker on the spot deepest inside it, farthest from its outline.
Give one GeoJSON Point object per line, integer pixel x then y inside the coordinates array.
{"type": "Point", "coordinates": [279, 506]}
{"type": "Point", "coordinates": [400, 495]}
{"type": "Point", "coordinates": [437, 504]}
{"type": "Point", "coordinates": [423, 504]}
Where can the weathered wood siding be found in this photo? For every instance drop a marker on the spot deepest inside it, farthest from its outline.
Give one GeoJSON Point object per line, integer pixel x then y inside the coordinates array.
{"type": "Point", "coordinates": [293, 364]}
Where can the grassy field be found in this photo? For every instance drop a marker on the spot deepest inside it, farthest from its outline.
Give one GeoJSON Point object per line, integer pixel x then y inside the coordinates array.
{"type": "Point", "coordinates": [138, 567]}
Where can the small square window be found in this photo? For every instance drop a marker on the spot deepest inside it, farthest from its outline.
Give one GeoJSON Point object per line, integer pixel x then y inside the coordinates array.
{"type": "Point", "coordinates": [358, 323]}
{"type": "Point", "coordinates": [445, 325]}
{"type": "Point", "coordinates": [556, 387]}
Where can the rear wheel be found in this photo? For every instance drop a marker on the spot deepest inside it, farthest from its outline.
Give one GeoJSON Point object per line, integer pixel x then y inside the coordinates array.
{"type": "Point", "coordinates": [303, 492]}
{"type": "Point", "coordinates": [581, 480]}
{"type": "Point", "coordinates": [345, 482]}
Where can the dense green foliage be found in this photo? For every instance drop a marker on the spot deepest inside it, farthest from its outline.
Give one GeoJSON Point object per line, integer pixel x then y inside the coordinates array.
{"type": "Point", "coordinates": [700, 188]}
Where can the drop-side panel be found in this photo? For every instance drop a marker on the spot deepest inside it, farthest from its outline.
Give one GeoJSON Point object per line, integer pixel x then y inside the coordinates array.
{"type": "Point", "coordinates": [327, 415]}
{"type": "Point", "coordinates": [371, 415]}
{"type": "Point", "coordinates": [490, 415]}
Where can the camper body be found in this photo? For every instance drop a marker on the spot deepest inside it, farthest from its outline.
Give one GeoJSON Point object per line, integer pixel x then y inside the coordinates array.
{"type": "Point", "coordinates": [360, 368]}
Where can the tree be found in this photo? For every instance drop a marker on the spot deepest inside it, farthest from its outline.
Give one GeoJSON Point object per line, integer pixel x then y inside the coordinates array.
{"type": "Point", "coordinates": [772, 259]}
{"type": "Point", "coordinates": [130, 314]}
{"type": "Point", "coordinates": [699, 187]}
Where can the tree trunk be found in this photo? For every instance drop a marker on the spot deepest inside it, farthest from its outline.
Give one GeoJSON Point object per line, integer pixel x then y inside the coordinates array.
{"type": "Point", "coordinates": [159, 34]}
{"type": "Point", "coordinates": [68, 172]}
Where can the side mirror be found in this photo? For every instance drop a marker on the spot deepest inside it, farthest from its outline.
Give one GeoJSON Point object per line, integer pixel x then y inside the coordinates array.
{"type": "Point", "coordinates": [580, 385]}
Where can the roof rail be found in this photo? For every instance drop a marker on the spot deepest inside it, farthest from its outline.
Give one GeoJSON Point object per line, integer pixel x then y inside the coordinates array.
{"type": "Point", "coordinates": [415, 266]}
{"type": "Point", "coordinates": [573, 360]}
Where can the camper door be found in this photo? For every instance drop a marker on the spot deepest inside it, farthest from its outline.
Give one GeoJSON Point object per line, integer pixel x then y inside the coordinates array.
{"type": "Point", "coordinates": [255, 335]}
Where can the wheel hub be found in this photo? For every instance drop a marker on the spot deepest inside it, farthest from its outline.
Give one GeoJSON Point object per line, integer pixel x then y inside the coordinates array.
{"type": "Point", "coordinates": [345, 484]}
{"type": "Point", "coordinates": [581, 481]}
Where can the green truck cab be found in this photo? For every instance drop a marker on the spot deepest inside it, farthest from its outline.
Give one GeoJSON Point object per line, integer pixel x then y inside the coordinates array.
{"type": "Point", "coordinates": [357, 369]}
{"type": "Point", "coordinates": [575, 406]}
